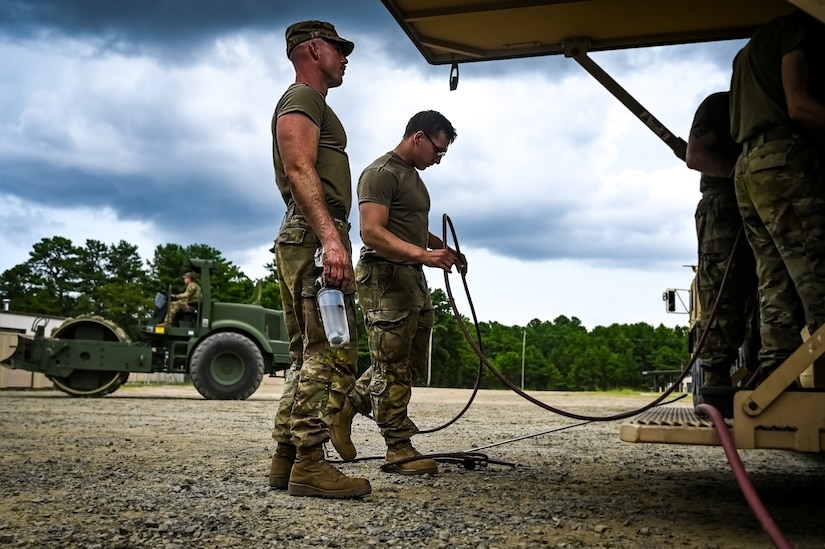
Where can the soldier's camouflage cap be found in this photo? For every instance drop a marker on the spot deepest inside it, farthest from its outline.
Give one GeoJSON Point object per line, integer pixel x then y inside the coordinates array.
{"type": "Point", "coordinates": [299, 33]}
{"type": "Point", "coordinates": [189, 274]}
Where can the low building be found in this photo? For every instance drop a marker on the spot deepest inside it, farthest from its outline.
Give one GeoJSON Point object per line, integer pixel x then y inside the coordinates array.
{"type": "Point", "coordinates": [23, 324]}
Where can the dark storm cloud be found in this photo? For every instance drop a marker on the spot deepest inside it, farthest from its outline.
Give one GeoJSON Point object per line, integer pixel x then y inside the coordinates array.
{"type": "Point", "coordinates": [552, 232]}
{"type": "Point", "coordinates": [145, 196]}
{"type": "Point", "coordinates": [191, 204]}
{"type": "Point", "coordinates": [176, 28]}
{"type": "Point", "coordinates": [178, 176]}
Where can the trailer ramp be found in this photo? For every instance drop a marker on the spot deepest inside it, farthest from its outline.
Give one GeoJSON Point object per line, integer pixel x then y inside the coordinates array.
{"type": "Point", "coordinates": [795, 420]}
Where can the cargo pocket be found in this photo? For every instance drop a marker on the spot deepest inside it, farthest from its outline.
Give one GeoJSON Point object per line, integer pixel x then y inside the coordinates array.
{"type": "Point", "coordinates": [388, 335]}
{"type": "Point", "coordinates": [312, 395]}
{"type": "Point", "coordinates": [385, 318]}
{"type": "Point", "coordinates": [313, 327]}
{"type": "Point", "coordinates": [771, 155]}
{"type": "Point", "coordinates": [292, 235]}
{"type": "Point", "coordinates": [377, 386]}
{"type": "Point", "coordinates": [363, 272]}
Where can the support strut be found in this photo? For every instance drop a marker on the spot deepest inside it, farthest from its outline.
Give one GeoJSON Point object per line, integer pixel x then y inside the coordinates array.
{"type": "Point", "coordinates": [577, 49]}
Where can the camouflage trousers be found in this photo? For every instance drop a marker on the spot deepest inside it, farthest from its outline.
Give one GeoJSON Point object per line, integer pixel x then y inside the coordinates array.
{"type": "Point", "coordinates": [780, 187]}
{"type": "Point", "coordinates": [174, 308]}
{"type": "Point", "coordinates": [399, 316]}
{"type": "Point", "coordinates": [736, 324]}
{"type": "Point", "coordinates": [320, 376]}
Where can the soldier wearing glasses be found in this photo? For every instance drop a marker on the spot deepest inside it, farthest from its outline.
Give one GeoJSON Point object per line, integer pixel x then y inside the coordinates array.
{"type": "Point", "coordinates": [394, 207]}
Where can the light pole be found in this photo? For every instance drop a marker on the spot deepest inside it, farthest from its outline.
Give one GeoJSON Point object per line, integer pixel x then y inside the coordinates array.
{"type": "Point", "coordinates": [430, 361]}
{"type": "Point", "coordinates": [523, 349]}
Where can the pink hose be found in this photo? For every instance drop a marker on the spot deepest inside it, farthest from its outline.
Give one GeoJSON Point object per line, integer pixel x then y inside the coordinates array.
{"type": "Point", "coordinates": [742, 478]}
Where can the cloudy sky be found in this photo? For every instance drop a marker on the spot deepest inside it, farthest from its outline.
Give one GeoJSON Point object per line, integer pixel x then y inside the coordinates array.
{"type": "Point", "coordinates": [149, 122]}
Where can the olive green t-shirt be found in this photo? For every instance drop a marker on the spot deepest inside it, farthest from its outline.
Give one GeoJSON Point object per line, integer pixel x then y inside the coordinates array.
{"type": "Point", "coordinates": [713, 116]}
{"type": "Point", "coordinates": [757, 98]}
{"type": "Point", "coordinates": [392, 182]}
{"type": "Point", "coordinates": [332, 163]}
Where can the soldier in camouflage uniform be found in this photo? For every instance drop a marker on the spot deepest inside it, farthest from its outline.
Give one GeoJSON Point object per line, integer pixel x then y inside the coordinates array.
{"type": "Point", "coordinates": [778, 116]}
{"type": "Point", "coordinates": [394, 208]}
{"type": "Point", "coordinates": [183, 301]}
{"type": "Point", "coordinates": [313, 176]}
{"type": "Point", "coordinates": [713, 152]}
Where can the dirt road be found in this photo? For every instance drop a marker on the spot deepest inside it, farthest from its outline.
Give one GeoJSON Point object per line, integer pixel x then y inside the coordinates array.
{"type": "Point", "coordinates": [160, 467]}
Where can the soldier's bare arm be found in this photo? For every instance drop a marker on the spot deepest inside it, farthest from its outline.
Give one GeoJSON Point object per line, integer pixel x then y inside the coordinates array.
{"type": "Point", "coordinates": [374, 233]}
{"type": "Point", "coordinates": [802, 106]}
{"type": "Point", "coordinates": [702, 157]}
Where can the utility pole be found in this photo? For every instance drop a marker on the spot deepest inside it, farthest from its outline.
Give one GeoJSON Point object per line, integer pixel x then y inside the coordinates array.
{"type": "Point", "coordinates": [430, 361]}
{"type": "Point", "coordinates": [523, 349]}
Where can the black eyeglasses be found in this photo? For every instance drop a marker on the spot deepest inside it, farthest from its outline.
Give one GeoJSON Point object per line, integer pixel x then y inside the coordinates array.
{"type": "Point", "coordinates": [439, 152]}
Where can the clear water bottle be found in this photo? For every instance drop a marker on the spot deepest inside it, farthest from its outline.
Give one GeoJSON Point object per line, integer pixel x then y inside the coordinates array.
{"type": "Point", "coordinates": [333, 316]}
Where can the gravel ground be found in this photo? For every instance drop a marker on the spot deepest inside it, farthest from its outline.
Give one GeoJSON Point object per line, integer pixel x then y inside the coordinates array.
{"type": "Point", "coordinates": [160, 467]}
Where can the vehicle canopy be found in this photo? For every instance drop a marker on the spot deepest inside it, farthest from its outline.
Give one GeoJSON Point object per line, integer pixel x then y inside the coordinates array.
{"type": "Point", "coordinates": [458, 31]}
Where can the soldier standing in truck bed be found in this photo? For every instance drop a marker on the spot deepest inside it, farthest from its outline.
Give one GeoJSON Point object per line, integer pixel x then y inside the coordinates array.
{"type": "Point", "coordinates": [712, 151]}
{"type": "Point", "coordinates": [778, 116]}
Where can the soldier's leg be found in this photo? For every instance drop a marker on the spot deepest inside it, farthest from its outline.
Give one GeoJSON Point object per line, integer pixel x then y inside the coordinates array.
{"type": "Point", "coordinates": [780, 308]}
{"type": "Point", "coordinates": [399, 345]}
{"type": "Point", "coordinates": [171, 312]}
{"type": "Point", "coordinates": [358, 399]}
{"type": "Point", "coordinates": [293, 257]}
{"type": "Point", "coordinates": [392, 297]}
{"type": "Point", "coordinates": [390, 333]}
{"type": "Point", "coordinates": [749, 282]}
{"type": "Point", "coordinates": [359, 396]}
{"type": "Point", "coordinates": [795, 218]}
{"type": "Point", "coordinates": [327, 374]}
{"type": "Point", "coordinates": [420, 349]}
{"type": "Point", "coordinates": [391, 341]}
{"type": "Point", "coordinates": [718, 224]}
{"type": "Point", "coordinates": [291, 263]}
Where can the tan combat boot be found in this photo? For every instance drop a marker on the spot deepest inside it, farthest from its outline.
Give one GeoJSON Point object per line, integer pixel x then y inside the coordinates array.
{"type": "Point", "coordinates": [281, 466]}
{"type": "Point", "coordinates": [340, 432]}
{"type": "Point", "coordinates": [403, 450]}
{"type": "Point", "coordinates": [313, 476]}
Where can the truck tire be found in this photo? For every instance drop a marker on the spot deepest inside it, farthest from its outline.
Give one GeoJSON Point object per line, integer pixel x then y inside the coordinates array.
{"type": "Point", "coordinates": [227, 366]}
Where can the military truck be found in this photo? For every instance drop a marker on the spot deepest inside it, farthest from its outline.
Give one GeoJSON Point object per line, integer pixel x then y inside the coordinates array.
{"type": "Point", "coordinates": [225, 348]}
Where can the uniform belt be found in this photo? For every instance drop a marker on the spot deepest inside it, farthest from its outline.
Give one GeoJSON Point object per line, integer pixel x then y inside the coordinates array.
{"type": "Point", "coordinates": [772, 134]}
{"type": "Point", "coordinates": [340, 215]}
{"type": "Point", "coordinates": [415, 266]}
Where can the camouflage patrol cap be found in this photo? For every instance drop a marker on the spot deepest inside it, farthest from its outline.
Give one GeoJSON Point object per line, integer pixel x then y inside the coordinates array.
{"type": "Point", "coordinates": [299, 33]}
{"type": "Point", "coordinates": [189, 274]}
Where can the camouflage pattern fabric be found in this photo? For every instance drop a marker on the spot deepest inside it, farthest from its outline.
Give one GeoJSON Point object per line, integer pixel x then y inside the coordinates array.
{"type": "Point", "coordinates": [190, 296]}
{"type": "Point", "coordinates": [780, 187]}
{"type": "Point", "coordinates": [718, 223]}
{"type": "Point", "coordinates": [320, 376]}
{"type": "Point", "coordinates": [399, 316]}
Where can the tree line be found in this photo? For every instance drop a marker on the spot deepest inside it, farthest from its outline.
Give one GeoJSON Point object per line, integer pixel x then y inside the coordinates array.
{"type": "Point", "coordinates": [62, 279]}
